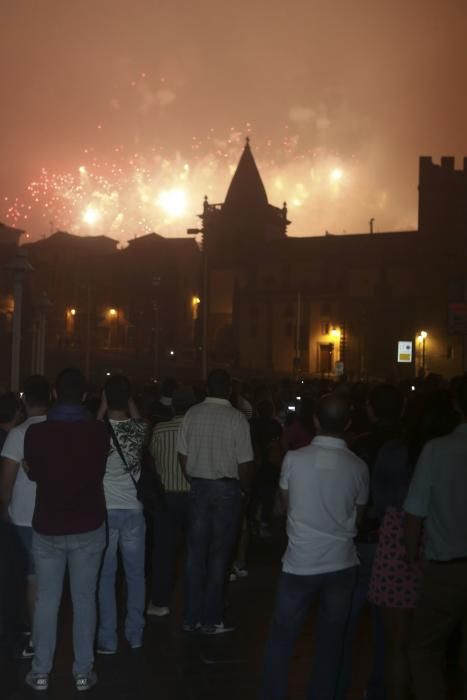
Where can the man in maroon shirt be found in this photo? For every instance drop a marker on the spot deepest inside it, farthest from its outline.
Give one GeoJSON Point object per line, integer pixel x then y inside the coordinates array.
{"type": "Point", "coordinates": [66, 457]}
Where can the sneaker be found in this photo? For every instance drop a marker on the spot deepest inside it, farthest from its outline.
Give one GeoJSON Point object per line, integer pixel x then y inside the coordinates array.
{"type": "Point", "coordinates": [26, 651]}
{"type": "Point", "coordinates": [191, 628]}
{"type": "Point", "coordinates": [85, 681]}
{"type": "Point", "coordinates": [240, 571]}
{"type": "Point", "coordinates": [103, 651]}
{"type": "Point", "coordinates": [217, 629]}
{"type": "Point", "coordinates": [157, 610]}
{"type": "Point", "coordinates": [37, 681]}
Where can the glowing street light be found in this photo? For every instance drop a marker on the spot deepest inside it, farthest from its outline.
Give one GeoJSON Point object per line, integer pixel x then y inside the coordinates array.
{"type": "Point", "coordinates": [113, 313]}
{"type": "Point", "coordinates": [195, 302]}
{"type": "Point", "coordinates": [422, 340]}
{"type": "Point", "coordinates": [335, 332]}
{"type": "Point", "coordinates": [71, 312]}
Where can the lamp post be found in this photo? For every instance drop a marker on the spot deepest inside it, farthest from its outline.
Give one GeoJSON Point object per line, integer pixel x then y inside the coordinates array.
{"type": "Point", "coordinates": [113, 326]}
{"type": "Point", "coordinates": [156, 283]}
{"type": "Point", "coordinates": [19, 266]}
{"type": "Point", "coordinates": [204, 301]}
{"type": "Point", "coordinates": [155, 307]}
{"type": "Point", "coordinates": [422, 340]}
{"type": "Point", "coordinates": [298, 324]}
{"type": "Point", "coordinates": [42, 306]}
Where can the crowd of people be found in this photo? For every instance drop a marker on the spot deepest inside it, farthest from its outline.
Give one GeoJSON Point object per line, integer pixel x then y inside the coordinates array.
{"type": "Point", "coordinates": [371, 480]}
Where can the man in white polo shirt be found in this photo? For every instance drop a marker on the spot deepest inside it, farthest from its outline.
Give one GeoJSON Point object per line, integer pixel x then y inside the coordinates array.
{"type": "Point", "coordinates": [17, 491]}
{"type": "Point", "coordinates": [324, 487]}
{"type": "Point", "coordinates": [215, 451]}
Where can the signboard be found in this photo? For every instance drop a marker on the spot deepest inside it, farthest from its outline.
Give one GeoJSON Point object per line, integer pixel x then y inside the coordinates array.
{"type": "Point", "coordinates": [339, 369]}
{"type": "Point", "coordinates": [404, 351]}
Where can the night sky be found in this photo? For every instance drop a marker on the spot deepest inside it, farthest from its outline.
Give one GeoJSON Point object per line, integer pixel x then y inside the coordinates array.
{"type": "Point", "coordinates": [117, 116]}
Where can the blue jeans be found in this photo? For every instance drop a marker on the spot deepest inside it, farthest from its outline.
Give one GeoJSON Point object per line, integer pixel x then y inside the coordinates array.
{"type": "Point", "coordinates": [293, 598]}
{"type": "Point", "coordinates": [25, 537]}
{"type": "Point", "coordinates": [375, 688]}
{"type": "Point", "coordinates": [213, 518]}
{"type": "Point", "coordinates": [83, 554]}
{"type": "Point", "coordinates": [168, 525]}
{"type": "Point", "coordinates": [126, 530]}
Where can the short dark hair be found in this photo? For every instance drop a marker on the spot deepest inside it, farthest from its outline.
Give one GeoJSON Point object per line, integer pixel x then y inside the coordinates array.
{"type": "Point", "coordinates": [461, 394]}
{"type": "Point", "coordinates": [168, 387]}
{"type": "Point", "coordinates": [386, 401]}
{"type": "Point", "coordinates": [219, 383]}
{"type": "Point", "coordinates": [333, 413]}
{"type": "Point", "coordinates": [183, 399]}
{"type": "Point", "coordinates": [118, 392]}
{"type": "Point", "coordinates": [70, 385]}
{"type": "Point", "coordinates": [8, 407]}
{"type": "Point", "coordinates": [36, 391]}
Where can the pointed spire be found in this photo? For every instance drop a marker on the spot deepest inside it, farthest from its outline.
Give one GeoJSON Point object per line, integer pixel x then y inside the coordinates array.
{"type": "Point", "coordinates": [246, 189]}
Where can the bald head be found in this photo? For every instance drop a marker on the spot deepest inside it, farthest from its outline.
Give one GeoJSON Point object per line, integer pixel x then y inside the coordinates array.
{"type": "Point", "coordinates": [333, 414]}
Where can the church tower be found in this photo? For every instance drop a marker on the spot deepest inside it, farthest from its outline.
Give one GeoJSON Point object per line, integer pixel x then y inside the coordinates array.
{"type": "Point", "coordinates": [245, 222]}
{"type": "Point", "coordinates": [236, 235]}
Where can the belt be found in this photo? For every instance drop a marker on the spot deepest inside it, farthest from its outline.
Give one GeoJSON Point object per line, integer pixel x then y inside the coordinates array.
{"type": "Point", "coordinates": [458, 560]}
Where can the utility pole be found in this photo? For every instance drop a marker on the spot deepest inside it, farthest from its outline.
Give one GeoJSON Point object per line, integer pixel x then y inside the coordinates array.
{"type": "Point", "coordinates": [204, 299]}
{"type": "Point", "coordinates": [19, 266]}
{"type": "Point", "coordinates": [42, 307]}
{"type": "Point", "coordinates": [87, 358]}
{"type": "Point", "coordinates": [297, 332]}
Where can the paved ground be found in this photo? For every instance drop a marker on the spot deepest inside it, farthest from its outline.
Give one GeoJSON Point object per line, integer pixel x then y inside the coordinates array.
{"type": "Point", "coordinates": [176, 666]}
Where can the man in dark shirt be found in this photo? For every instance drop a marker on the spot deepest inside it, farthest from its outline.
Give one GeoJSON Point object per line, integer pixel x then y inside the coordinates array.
{"type": "Point", "coordinates": [66, 457]}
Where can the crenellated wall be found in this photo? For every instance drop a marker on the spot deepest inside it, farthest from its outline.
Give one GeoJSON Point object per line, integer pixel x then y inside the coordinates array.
{"type": "Point", "coordinates": [442, 197]}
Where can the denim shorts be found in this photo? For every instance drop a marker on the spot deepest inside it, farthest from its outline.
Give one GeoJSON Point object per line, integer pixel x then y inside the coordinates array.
{"type": "Point", "coordinates": [25, 537]}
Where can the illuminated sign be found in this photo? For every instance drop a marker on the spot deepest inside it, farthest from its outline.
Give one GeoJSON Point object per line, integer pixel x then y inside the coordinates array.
{"type": "Point", "coordinates": [404, 351]}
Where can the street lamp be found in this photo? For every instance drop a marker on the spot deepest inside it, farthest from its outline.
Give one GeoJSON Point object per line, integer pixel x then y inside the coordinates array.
{"type": "Point", "coordinates": [113, 326]}
{"type": "Point", "coordinates": [19, 266]}
{"type": "Point", "coordinates": [195, 302]}
{"type": "Point", "coordinates": [205, 298]}
{"type": "Point", "coordinates": [422, 340]}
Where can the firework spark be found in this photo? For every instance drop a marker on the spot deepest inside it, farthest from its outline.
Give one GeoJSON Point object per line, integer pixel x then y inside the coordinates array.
{"type": "Point", "coordinates": [132, 193]}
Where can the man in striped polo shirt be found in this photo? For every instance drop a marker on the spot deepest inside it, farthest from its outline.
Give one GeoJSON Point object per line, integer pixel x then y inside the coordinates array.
{"type": "Point", "coordinates": [169, 523]}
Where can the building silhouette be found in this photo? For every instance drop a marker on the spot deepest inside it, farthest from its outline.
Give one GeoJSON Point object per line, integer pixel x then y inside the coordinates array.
{"type": "Point", "coordinates": [275, 304]}
{"type": "Point", "coordinates": [336, 303]}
